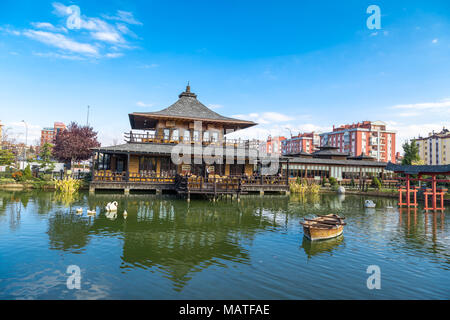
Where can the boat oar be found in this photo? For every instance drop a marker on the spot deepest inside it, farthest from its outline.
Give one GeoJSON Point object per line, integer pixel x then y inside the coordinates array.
{"type": "Point", "coordinates": [333, 223]}
{"type": "Point", "coordinates": [331, 217]}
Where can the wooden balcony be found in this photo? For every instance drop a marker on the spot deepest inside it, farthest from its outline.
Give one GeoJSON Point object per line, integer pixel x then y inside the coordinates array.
{"type": "Point", "coordinates": [148, 137]}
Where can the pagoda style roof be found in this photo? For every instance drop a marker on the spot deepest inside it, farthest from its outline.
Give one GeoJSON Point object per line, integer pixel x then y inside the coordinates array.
{"type": "Point", "coordinates": [343, 162]}
{"type": "Point", "coordinates": [186, 108]}
{"type": "Point", "coordinates": [329, 151]}
{"type": "Point", "coordinates": [362, 156]}
{"type": "Point", "coordinates": [301, 154]}
{"type": "Point", "coordinates": [419, 169]}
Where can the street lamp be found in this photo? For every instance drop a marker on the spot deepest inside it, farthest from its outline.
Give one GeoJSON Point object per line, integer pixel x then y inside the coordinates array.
{"type": "Point", "coordinates": [26, 138]}
{"type": "Point", "coordinates": [290, 131]}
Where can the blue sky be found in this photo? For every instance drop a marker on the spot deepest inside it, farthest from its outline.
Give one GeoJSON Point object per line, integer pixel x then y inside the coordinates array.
{"type": "Point", "coordinates": [302, 65]}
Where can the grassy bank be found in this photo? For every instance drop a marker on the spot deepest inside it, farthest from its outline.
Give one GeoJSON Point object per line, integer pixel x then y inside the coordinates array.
{"type": "Point", "coordinates": [11, 184]}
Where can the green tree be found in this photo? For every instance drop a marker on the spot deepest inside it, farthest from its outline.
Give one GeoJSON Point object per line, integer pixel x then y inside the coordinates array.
{"type": "Point", "coordinates": [46, 157]}
{"type": "Point", "coordinates": [6, 157]}
{"type": "Point", "coordinates": [411, 151]}
{"type": "Point", "coordinates": [27, 173]}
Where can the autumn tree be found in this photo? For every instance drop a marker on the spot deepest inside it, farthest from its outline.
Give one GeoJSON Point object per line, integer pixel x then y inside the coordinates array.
{"type": "Point", "coordinates": [75, 143]}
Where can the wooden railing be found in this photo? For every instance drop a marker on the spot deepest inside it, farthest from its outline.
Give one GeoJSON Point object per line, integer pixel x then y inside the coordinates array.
{"type": "Point", "coordinates": [149, 137]}
{"type": "Point", "coordinates": [218, 184]}
{"type": "Point", "coordinates": [109, 176]}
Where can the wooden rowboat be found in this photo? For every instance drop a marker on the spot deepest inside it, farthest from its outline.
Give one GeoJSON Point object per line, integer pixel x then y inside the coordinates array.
{"type": "Point", "coordinates": [323, 227]}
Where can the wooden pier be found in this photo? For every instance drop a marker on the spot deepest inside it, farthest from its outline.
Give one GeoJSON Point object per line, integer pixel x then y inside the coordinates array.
{"type": "Point", "coordinates": [212, 186]}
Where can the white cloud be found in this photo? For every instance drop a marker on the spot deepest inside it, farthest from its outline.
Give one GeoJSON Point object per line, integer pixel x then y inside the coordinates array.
{"type": "Point", "coordinates": [144, 105]}
{"type": "Point", "coordinates": [48, 26]}
{"type": "Point", "coordinates": [102, 35]}
{"type": "Point", "coordinates": [9, 30]}
{"type": "Point", "coordinates": [435, 41]}
{"type": "Point", "coordinates": [58, 56]}
{"type": "Point", "coordinates": [409, 114]}
{"type": "Point", "coordinates": [407, 131]}
{"type": "Point", "coordinates": [60, 9]}
{"type": "Point", "coordinates": [275, 124]}
{"type": "Point", "coordinates": [62, 42]}
{"type": "Point", "coordinates": [17, 131]}
{"type": "Point", "coordinates": [265, 117]}
{"type": "Point", "coordinates": [443, 104]}
{"type": "Point", "coordinates": [123, 16]}
{"type": "Point", "coordinates": [114, 55]}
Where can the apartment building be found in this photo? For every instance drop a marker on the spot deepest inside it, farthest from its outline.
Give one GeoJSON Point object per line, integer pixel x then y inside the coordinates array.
{"type": "Point", "coordinates": [48, 135]}
{"type": "Point", "coordinates": [433, 149]}
{"type": "Point", "coordinates": [369, 138]}
{"type": "Point", "coordinates": [273, 145]}
{"type": "Point", "coordinates": [302, 143]}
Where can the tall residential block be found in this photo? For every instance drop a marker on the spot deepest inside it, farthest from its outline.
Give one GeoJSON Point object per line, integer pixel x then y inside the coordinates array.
{"type": "Point", "coordinates": [369, 138]}
{"type": "Point", "coordinates": [302, 143]}
{"type": "Point", "coordinates": [433, 149]}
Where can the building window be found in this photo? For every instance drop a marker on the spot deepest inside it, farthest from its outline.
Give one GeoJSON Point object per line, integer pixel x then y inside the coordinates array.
{"type": "Point", "coordinates": [166, 133]}
{"type": "Point", "coordinates": [206, 136]}
{"type": "Point", "coordinates": [187, 135]}
{"type": "Point", "coordinates": [148, 165]}
{"type": "Point", "coordinates": [196, 136]}
{"type": "Point", "coordinates": [175, 135]}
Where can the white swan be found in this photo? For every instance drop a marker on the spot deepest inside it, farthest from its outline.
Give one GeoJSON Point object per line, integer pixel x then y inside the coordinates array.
{"type": "Point", "coordinates": [111, 215]}
{"type": "Point", "coordinates": [91, 212]}
{"type": "Point", "coordinates": [369, 204]}
{"type": "Point", "coordinates": [125, 214]}
{"type": "Point", "coordinates": [112, 206]}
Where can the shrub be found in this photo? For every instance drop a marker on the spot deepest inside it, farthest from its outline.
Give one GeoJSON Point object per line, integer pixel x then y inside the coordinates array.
{"type": "Point", "coordinates": [376, 183]}
{"type": "Point", "coordinates": [47, 177]}
{"type": "Point", "coordinates": [17, 175]}
{"type": "Point", "coordinates": [27, 175]}
{"type": "Point", "coordinates": [68, 185]}
{"type": "Point", "coordinates": [333, 181]}
{"type": "Point", "coordinates": [324, 181]}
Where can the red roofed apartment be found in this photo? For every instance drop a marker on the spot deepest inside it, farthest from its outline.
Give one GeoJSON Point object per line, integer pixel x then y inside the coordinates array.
{"type": "Point", "coordinates": [368, 138]}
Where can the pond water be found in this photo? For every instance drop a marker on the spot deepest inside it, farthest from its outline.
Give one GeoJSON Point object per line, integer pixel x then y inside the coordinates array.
{"type": "Point", "coordinates": [255, 249]}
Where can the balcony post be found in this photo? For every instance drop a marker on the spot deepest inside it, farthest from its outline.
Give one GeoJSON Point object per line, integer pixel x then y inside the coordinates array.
{"type": "Point", "coordinates": [287, 172]}
{"type": "Point", "coordinates": [127, 177]}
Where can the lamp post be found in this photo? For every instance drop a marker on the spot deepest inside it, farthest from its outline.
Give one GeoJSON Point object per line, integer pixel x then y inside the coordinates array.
{"type": "Point", "coordinates": [26, 138]}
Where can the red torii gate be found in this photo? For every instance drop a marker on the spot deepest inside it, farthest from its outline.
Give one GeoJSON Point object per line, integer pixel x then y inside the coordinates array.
{"type": "Point", "coordinates": [420, 170]}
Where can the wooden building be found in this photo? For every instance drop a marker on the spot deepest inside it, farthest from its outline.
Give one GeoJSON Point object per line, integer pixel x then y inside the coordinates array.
{"type": "Point", "coordinates": [184, 148]}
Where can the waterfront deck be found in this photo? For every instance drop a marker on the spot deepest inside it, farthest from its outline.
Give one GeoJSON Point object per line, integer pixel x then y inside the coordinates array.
{"type": "Point", "coordinates": [213, 185]}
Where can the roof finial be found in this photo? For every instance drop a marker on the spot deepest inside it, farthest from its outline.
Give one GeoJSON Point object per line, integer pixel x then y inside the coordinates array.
{"type": "Point", "coordinates": [188, 87]}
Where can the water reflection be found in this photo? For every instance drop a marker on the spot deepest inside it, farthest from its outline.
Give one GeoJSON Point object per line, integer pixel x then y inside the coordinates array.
{"type": "Point", "coordinates": [313, 248]}
{"type": "Point", "coordinates": [177, 240]}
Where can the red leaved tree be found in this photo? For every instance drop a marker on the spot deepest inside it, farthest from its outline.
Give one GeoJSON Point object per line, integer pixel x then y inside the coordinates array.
{"type": "Point", "coordinates": [75, 143]}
